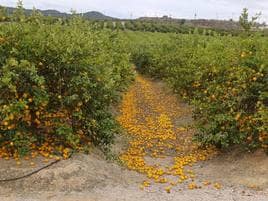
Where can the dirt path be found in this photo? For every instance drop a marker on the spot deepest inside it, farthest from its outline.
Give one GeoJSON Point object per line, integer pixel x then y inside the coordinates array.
{"type": "Point", "coordinates": [162, 162]}
{"type": "Point", "coordinates": [161, 145]}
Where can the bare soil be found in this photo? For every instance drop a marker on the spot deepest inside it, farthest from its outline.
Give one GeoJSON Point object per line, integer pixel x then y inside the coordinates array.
{"type": "Point", "coordinates": [92, 178]}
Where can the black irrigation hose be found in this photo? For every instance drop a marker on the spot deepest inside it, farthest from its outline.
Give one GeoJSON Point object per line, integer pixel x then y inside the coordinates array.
{"type": "Point", "coordinates": [31, 173]}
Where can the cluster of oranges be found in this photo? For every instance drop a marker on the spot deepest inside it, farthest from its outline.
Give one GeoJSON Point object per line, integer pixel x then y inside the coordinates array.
{"type": "Point", "coordinates": [47, 150]}
{"type": "Point", "coordinates": [148, 115]}
{"type": "Point", "coordinates": [2, 40]}
{"type": "Point", "coordinates": [41, 121]}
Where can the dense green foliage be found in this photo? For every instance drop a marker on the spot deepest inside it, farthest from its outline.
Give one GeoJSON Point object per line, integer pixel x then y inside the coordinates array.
{"type": "Point", "coordinates": [57, 83]}
{"type": "Point", "coordinates": [224, 78]}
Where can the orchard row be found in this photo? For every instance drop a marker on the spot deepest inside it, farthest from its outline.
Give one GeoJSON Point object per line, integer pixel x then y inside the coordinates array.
{"type": "Point", "coordinates": [224, 78]}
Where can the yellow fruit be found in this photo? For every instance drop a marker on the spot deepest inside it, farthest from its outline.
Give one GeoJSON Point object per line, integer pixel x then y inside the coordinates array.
{"type": "Point", "coordinates": [57, 158]}
{"type": "Point", "coordinates": [192, 186]}
{"type": "Point", "coordinates": [180, 181]}
{"type": "Point", "coordinates": [217, 186]}
{"type": "Point", "coordinates": [2, 39]}
{"type": "Point", "coordinates": [37, 121]}
{"type": "Point", "coordinates": [206, 183]}
{"type": "Point", "coordinates": [237, 117]}
{"type": "Point", "coordinates": [11, 117]}
{"type": "Point", "coordinates": [168, 189]}
{"type": "Point", "coordinates": [146, 183]}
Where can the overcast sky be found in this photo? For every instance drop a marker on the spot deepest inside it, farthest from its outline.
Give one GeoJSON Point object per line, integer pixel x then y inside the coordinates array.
{"type": "Point", "coordinates": [211, 9]}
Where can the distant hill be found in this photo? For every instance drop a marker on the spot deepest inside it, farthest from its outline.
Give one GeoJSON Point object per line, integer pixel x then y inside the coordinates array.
{"type": "Point", "coordinates": [96, 15]}
{"type": "Point", "coordinates": [54, 13]}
